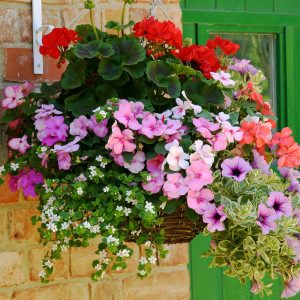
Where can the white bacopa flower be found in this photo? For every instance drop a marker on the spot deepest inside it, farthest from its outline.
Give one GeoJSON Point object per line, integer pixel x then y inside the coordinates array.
{"type": "Point", "coordinates": [149, 207]}
{"type": "Point", "coordinates": [48, 264]}
{"type": "Point", "coordinates": [95, 229]}
{"type": "Point", "coordinates": [87, 224]}
{"type": "Point", "coordinates": [64, 248]}
{"type": "Point", "coordinates": [143, 260]}
{"type": "Point", "coordinates": [81, 178]}
{"type": "Point", "coordinates": [127, 211]}
{"type": "Point", "coordinates": [149, 178]}
{"type": "Point", "coordinates": [128, 193]}
{"type": "Point", "coordinates": [143, 272]}
{"type": "Point", "coordinates": [42, 273]}
{"type": "Point", "coordinates": [43, 149]}
{"type": "Point", "coordinates": [103, 254]}
{"type": "Point", "coordinates": [98, 267]}
{"type": "Point", "coordinates": [103, 113]}
{"type": "Point", "coordinates": [66, 240]}
{"type": "Point", "coordinates": [51, 226]}
{"type": "Point", "coordinates": [79, 191]}
{"type": "Point", "coordinates": [118, 269]}
{"type": "Point", "coordinates": [99, 158]}
{"type": "Point", "coordinates": [103, 164]}
{"type": "Point", "coordinates": [92, 168]}
{"type": "Point", "coordinates": [106, 189]}
{"type": "Point", "coordinates": [14, 166]}
{"type": "Point", "coordinates": [163, 205]}
{"type": "Point", "coordinates": [119, 208]}
{"type": "Point", "coordinates": [53, 150]}
{"type": "Point", "coordinates": [71, 211]}
{"type": "Point", "coordinates": [148, 244]}
{"type": "Point", "coordinates": [100, 220]}
{"type": "Point", "coordinates": [105, 261]}
{"type": "Point", "coordinates": [54, 247]}
{"type": "Point", "coordinates": [2, 169]}
{"type": "Point", "coordinates": [152, 259]}
{"type": "Point", "coordinates": [97, 109]}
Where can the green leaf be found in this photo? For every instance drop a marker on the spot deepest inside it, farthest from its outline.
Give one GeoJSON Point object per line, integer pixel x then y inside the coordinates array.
{"type": "Point", "coordinates": [110, 69]}
{"type": "Point", "coordinates": [173, 86]}
{"type": "Point", "coordinates": [128, 156]}
{"type": "Point", "coordinates": [204, 79]}
{"type": "Point", "coordinates": [180, 69]}
{"type": "Point", "coordinates": [10, 115]}
{"type": "Point", "coordinates": [233, 118]}
{"type": "Point", "coordinates": [204, 114]}
{"type": "Point", "coordinates": [158, 71]}
{"type": "Point", "coordinates": [86, 32]}
{"type": "Point", "coordinates": [51, 89]}
{"type": "Point", "coordinates": [224, 245]}
{"type": "Point", "coordinates": [105, 91]}
{"type": "Point", "coordinates": [72, 98]}
{"type": "Point", "coordinates": [144, 139]}
{"type": "Point", "coordinates": [92, 49]}
{"type": "Point", "coordinates": [138, 70]}
{"type": "Point", "coordinates": [29, 109]}
{"type": "Point", "coordinates": [117, 26]}
{"type": "Point", "coordinates": [185, 144]}
{"type": "Point", "coordinates": [74, 76]}
{"type": "Point", "coordinates": [201, 93]}
{"type": "Point", "coordinates": [160, 148]}
{"type": "Point", "coordinates": [191, 214]}
{"type": "Point", "coordinates": [172, 205]}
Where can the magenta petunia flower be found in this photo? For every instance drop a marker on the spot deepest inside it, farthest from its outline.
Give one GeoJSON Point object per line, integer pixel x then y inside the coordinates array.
{"type": "Point", "coordinates": [214, 216]}
{"type": "Point", "coordinates": [19, 144]}
{"type": "Point", "coordinates": [175, 186]}
{"type": "Point", "coordinates": [260, 163]}
{"type": "Point", "coordinates": [281, 204]}
{"type": "Point", "coordinates": [266, 218]}
{"type": "Point", "coordinates": [197, 200]}
{"type": "Point", "coordinates": [236, 168]}
{"type": "Point", "coordinates": [198, 175]}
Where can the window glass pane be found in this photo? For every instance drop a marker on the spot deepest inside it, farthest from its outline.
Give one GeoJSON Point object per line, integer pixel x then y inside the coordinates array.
{"type": "Point", "coordinates": [260, 49]}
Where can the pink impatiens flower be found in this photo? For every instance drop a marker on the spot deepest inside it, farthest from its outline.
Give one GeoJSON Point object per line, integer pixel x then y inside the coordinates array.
{"type": "Point", "coordinates": [205, 127]}
{"type": "Point", "coordinates": [214, 216]}
{"type": "Point", "coordinates": [223, 77]}
{"type": "Point", "coordinates": [177, 158]}
{"type": "Point", "coordinates": [218, 141]}
{"type": "Point", "coordinates": [79, 126]}
{"type": "Point", "coordinates": [152, 127]}
{"type": "Point", "coordinates": [100, 129]}
{"type": "Point", "coordinates": [125, 116]}
{"type": "Point", "coordinates": [19, 144]}
{"type": "Point", "coordinates": [202, 152]}
{"type": "Point", "coordinates": [55, 131]}
{"type": "Point", "coordinates": [155, 163]}
{"type": "Point", "coordinates": [198, 175]}
{"type": "Point", "coordinates": [175, 186]}
{"type": "Point", "coordinates": [120, 141]}
{"type": "Point", "coordinates": [26, 88]}
{"type": "Point", "coordinates": [137, 163]}
{"type": "Point", "coordinates": [231, 132]}
{"type": "Point", "coordinates": [155, 184]}
{"type": "Point", "coordinates": [14, 96]}
{"type": "Point", "coordinates": [198, 200]}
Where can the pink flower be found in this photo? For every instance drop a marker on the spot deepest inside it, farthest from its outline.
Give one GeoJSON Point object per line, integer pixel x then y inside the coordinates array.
{"type": "Point", "coordinates": [46, 110]}
{"type": "Point", "coordinates": [100, 129]}
{"type": "Point", "coordinates": [266, 218]}
{"type": "Point", "coordinates": [294, 243]}
{"type": "Point", "coordinates": [70, 147]}
{"type": "Point", "coordinates": [55, 131]}
{"type": "Point", "coordinates": [292, 287]}
{"type": "Point", "coordinates": [28, 182]}
{"type": "Point", "coordinates": [137, 163]}
{"type": "Point", "coordinates": [175, 186]}
{"type": "Point", "coordinates": [227, 102]}
{"type": "Point", "coordinates": [198, 175]}
{"type": "Point", "coordinates": [231, 132]}
{"type": "Point", "coordinates": [177, 158]}
{"type": "Point", "coordinates": [13, 95]}
{"type": "Point", "coordinates": [223, 77]}
{"type": "Point", "coordinates": [221, 117]}
{"type": "Point", "coordinates": [205, 127]}
{"type": "Point", "coordinates": [79, 126]}
{"type": "Point", "coordinates": [197, 200]}
{"type": "Point", "coordinates": [172, 127]}
{"type": "Point", "coordinates": [155, 184]}
{"type": "Point", "coordinates": [155, 163]}
{"type": "Point", "coordinates": [202, 152]}
{"type": "Point", "coordinates": [179, 110]}
{"type": "Point", "coordinates": [120, 141]}
{"type": "Point", "coordinates": [64, 160]}
{"type": "Point", "coordinates": [125, 116]}
{"type": "Point", "coordinates": [152, 127]}
{"type": "Point", "coordinates": [26, 88]}
{"type": "Point", "coordinates": [219, 142]}
{"type": "Point", "coordinates": [281, 204]}
{"type": "Point", "coordinates": [118, 158]}
{"type": "Point", "coordinates": [214, 216]}
{"type": "Point", "coordinates": [19, 144]}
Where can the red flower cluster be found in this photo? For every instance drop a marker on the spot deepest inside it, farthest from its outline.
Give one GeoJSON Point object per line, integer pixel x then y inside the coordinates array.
{"type": "Point", "coordinates": [58, 38]}
{"type": "Point", "coordinates": [199, 58]}
{"type": "Point", "coordinates": [226, 46]}
{"type": "Point", "coordinates": [159, 32]}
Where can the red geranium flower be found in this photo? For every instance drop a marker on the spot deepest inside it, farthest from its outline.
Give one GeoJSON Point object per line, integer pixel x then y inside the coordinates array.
{"type": "Point", "coordinates": [227, 47]}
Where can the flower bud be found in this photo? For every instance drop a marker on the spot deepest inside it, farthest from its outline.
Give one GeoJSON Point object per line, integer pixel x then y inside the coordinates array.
{"type": "Point", "coordinates": [89, 4]}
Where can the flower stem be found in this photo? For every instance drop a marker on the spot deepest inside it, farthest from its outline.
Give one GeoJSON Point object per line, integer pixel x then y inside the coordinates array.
{"type": "Point", "coordinates": [123, 16]}
{"type": "Point", "coordinates": [92, 22]}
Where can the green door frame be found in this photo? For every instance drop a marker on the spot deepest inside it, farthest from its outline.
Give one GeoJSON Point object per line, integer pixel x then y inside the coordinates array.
{"type": "Point", "coordinates": [199, 24]}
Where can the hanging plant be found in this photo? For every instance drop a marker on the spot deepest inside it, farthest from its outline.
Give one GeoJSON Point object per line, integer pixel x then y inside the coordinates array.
{"type": "Point", "coordinates": [152, 140]}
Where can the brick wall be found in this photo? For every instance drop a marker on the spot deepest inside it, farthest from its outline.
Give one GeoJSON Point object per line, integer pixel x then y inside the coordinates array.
{"type": "Point", "coordinates": [20, 251]}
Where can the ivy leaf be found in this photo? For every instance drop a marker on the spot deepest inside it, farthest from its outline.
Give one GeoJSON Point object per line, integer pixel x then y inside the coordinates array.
{"type": "Point", "coordinates": [191, 214]}
{"type": "Point", "coordinates": [74, 76]}
{"type": "Point", "coordinates": [92, 49]}
{"type": "Point", "coordinates": [201, 93]}
{"type": "Point", "coordinates": [51, 89]}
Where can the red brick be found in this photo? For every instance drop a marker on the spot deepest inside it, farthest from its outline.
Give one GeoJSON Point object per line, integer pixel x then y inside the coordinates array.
{"type": "Point", "coordinates": [2, 227]}
{"type": "Point", "coordinates": [9, 25]}
{"type": "Point", "coordinates": [50, 17]}
{"type": "Point", "coordinates": [106, 290]}
{"type": "Point", "coordinates": [178, 255]}
{"type": "Point", "coordinates": [10, 266]}
{"type": "Point", "coordinates": [163, 286]}
{"type": "Point", "coordinates": [20, 226]}
{"type": "Point", "coordinates": [72, 291]}
{"type": "Point", "coordinates": [60, 268]}
{"type": "Point", "coordinates": [4, 297]}
{"type": "Point", "coordinates": [6, 196]}
{"type": "Point", "coordinates": [81, 261]}
{"type": "Point", "coordinates": [19, 67]}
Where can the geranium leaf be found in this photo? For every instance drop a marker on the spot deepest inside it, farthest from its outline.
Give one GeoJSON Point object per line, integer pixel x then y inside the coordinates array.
{"type": "Point", "coordinates": [86, 32]}
{"type": "Point", "coordinates": [92, 49]}
{"type": "Point", "coordinates": [74, 76]}
{"type": "Point", "coordinates": [138, 70]}
{"type": "Point", "coordinates": [110, 69]}
{"type": "Point", "coordinates": [51, 89]}
{"type": "Point", "coordinates": [201, 93]}
{"type": "Point", "coordinates": [10, 115]}
{"type": "Point", "coordinates": [117, 26]}
{"type": "Point", "coordinates": [105, 91]}
{"type": "Point", "coordinates": [173, 86]}
{"type": "Point", "coordinates": [180, 69]}
{"type": "Point", "coordinates": [157, 71]}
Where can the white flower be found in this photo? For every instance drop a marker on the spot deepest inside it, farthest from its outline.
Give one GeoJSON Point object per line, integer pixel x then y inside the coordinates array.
{"type": "Point", "coordinates": [95, 229]}
{"type": "Point", "coordinates": [81, 178]}
{"type": "Point", "coordinates": [99, 158]}
{"type": "Point", "coordinates": [118, 269]}
{"type": "Point", "coordinates": [53, 150]}
{"type": "Point", "coordinates": [128, 193]}
{"type": "Point", "coordinates": [106, 189]}
{"type": "Point", "coordinates": [202, 152]}
{"type": "Point", "coordinates": [197, 109]}
{"type": "Point", "coordinates": [14, 166]}
{"type": "Point", "coordinates": [105, 261]}
{"type": "Point", "coordinates": [231, 132]}
{"type": "Point", "coordinates": [103, 254]}
{"type": "Point", "coordinates": [166, 114]}
{"type": "Point", "coordinates": [148, 244]}
{"type": "Point", "coordinates": [148, 178]}
{"type": "Point", "coordinates": [143, 260]}
{"type": "Point", "coordinates": [54, 247]}
{"type": "Point", "coordinates": [143, 272]}
{"type": "Point", "coordinates": [43, 149]}
{"type": "Point", "coordinates": [87, 224]}
{"type": "Point", "coordinates": [149, 207]}
{"type": "Point", "coordinates": [221, 117]}
{"type": "Point", "coordinates": [2, 169]}
{"type": "Point", "coordinates": [98, 267]}
{"type": "Point", "coordinates": [100, 220]}
{"type": "Point", "coordinates": [93, 173]}
{"type": "Point", "coordinates": [97, 109]}
{"type": "Point", "coordinates": [51, 200]}
{"type": "Point", "coordinates": [223, 77]}
{"type": "Point", "coordinates": [250, 119]}
{"type": "Point", "coordinates": [103, 113]}
{"type": "Point", "coordinates": [66, 240]}
{"type": "Point", "coordinates": [48, 264]}
{"type": "Point", "coordinates": [92, 168]}
{"type": "Point", "coordinates": [169, 145]}
{"type": "Point", "coordinates": [152, 259]}
{"type": "Point", "coordinates": [103, 164]}
{"type": "Point", "coordinates": [64, 225]}
{"type": "Point", "coordinates": [127, 211]}
{"type": "Point", "coordinates": [64, 248]}
{"type": "Point", "coordinates": [163, 205]}
{"type": "Point", "coordinates": [79, 191]}
{"type": "Point", "coordinates": [177, 158]}
{"type": "Point", "coordinates": [42, 273]}
{"type": "Point", "coordinates": [71, 211]}
{"type": "Point", "coordinates": [119, 208]}
{"type": "Point", "coordinates": [51, 226]}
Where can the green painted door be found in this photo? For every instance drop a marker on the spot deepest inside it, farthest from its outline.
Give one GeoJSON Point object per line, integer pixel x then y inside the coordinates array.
{"type": "Point", "coordinates": [269, 34]}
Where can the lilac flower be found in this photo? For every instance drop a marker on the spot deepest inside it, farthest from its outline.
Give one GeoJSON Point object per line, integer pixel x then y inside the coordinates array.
{"type": "Point", "coordinates": [296, 215]}
{"type": "Point", "coordinates": [236, 168]}
{"type": "Point", "coordinates": [214, 216]}
{"type": "Point", "coordinates": [281, 204]}
{"type": "Point", "coordinates": [260, 163]}
{"type": "Point", "coordinates": [243, 67]}
{"type": "Point", "coordinates": [266, 218]}
{"type": "Point", "coordinates": [288, 172]}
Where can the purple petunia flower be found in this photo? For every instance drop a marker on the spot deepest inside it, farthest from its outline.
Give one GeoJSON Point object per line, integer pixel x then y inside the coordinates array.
{"type": "Point", "coordinates": [260, 163]}
{"type": "Point", "coordinates": [295, 185]}
{"type": "Point", "coordinates": [288, 172]}
{"type": "Point", "coordinates": [214, 216]}
{"type": "Point", "coordinates": [281, 204]}
{"type": "Point", "coordinates": [236, 168]}
{"type": "Point", "coordinates": [243, 67]}
{"type": "Point", "coordinates": [266, 218]}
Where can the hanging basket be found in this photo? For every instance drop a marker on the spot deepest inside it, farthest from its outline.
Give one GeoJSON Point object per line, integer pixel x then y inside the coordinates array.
{"type": "Point", "coordinates": [177, 226]}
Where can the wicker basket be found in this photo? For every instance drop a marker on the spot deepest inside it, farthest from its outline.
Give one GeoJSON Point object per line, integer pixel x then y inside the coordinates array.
{"type": "Point", "coordinates": [178, 228]}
